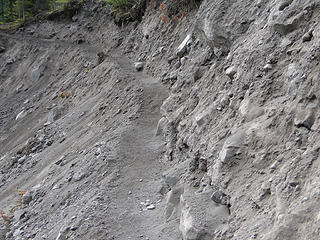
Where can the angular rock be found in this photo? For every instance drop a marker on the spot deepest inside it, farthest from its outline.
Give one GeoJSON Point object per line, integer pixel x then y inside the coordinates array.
{"type": "Point", "coordinates": [19, 88]}
{"type": "Point", "coordinates": [172, 209]}
{"type": "Point", "coordinates": [162, 122]}
{"type": "Point", "coordinates": [37, 72]}
{"type": "Point", "coordinates": [212, 33]}
{"type": "Point", "coordinates": [249, 110]}
{"type": "Point", "coordinates": [200, 216]}
{"type": "Point", "coordinates": [267, 67]}
{"type": "Point", "coordinates": [231, 146]}
{"type": "Point", "coordinates": [308, 36]}
{"type": "Point", "coordinates": [19, 214]}
{"type": "Point", "coordinates": [54, 115]}
{"type": "Point", "coordinates": [182, 49]}
{"type": "Point", "coordinates": [284, 4]}
{"type": "Point", "coordinates": [27, 197]}
{"type": "Point", "coordinates": [231, 71]}
{"type": "Point", "coordinates": [2, 49]}
{"type": "Point", "coordinates": [304, 118]}
{"type": "Point", "coordinates": [151, 207]}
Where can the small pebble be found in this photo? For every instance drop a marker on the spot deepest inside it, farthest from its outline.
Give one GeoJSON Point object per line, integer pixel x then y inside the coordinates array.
{"type": "Point", "coordinates": [151, 207]}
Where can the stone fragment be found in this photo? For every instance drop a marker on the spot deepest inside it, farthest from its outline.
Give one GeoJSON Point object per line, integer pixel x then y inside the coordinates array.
{"type": "Point", "coordinates": [19, 88]}
{"type": "Point", "coordinates": [203, 118]}
{"type": "Point", "coordinates": [249, 110]}
{"type": "Point", "coordinates": [213, 34]}
{"type": "Point", "coordinates": [138, 66]}
{"type": "Point", "coordinates": [101, 57]}
{"type": "Point", "coordinates": [217, 197]}
{"type": "Point", "coordinates": [308, 36]}
{"type": "Point", "coordinates": [27, 197]}
{"type": "Point", "coordinates": [37, 72]}
{"type": "Point", "coordinates": [21, 115]}
{"type": "Point", "coordinates": [2, 49]}
{"type": "Point", "coordinates": [200, 216]}
{"type": "Point", "coordinates": [151, 207]}
{"type": "Point", "coordinates": [265, 187]}
{"type": "Point", "coordinates": [224, 102]}
{"type": "Point", "coordinates": [11, 61]}
{"type": "Point", "coordinates": [19, 214]}
{"type": "Point", "coordinates": [232, 145]}
{"type": "Point", "coordinates": [172, 58]}
{"type": "Point", "coordinates": [162, 122]}
{"type": "Point", "coordinates": [284, 4]}
{"type": "Point", "coordinates": [172, 209]}
{"type": "Point", "coordinates": [182, 49]}
{"type": "Point", "coordinates": [304, 118]}
{"type": "Point", "coordinates": [231, 71]}
{"type": "Point", "coordinates": [203, 164]}
{"type": "Point", "coordinates": [198, 74]}
{"type": "Point", "coordinates": [22, 159]}
{"type": "Point", "coordinates": [267, 67]}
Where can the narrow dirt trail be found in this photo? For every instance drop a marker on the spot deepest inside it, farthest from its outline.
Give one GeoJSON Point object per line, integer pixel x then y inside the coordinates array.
{"type": "Point", "coordinates": [140, 173]}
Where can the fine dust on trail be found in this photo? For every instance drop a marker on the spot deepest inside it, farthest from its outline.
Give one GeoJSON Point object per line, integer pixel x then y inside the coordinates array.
{"type": "Point", "coordinates": [141, 168]}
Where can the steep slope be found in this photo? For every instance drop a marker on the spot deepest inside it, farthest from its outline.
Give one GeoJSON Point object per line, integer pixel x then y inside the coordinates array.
{"type": "Point", "coordinates": [238, 90]}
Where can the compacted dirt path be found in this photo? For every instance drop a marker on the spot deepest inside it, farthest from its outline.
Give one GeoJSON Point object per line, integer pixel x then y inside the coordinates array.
{"type": "Point", "coordinates": [137, 208]}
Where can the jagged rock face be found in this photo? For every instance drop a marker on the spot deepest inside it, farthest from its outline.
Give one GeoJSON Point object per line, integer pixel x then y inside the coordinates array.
{"type": "Point", "coordinates": [241, 125]}
{"type": "Point", "coordinates": [252, 114]}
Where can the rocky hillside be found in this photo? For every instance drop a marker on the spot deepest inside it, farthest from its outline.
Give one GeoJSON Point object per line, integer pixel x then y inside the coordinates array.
{"type": "Point", "coordinates": [197, 121]}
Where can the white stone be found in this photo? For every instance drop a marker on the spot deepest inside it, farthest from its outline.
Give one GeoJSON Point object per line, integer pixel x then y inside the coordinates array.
{"type": "Point", "coordinates": [181, 50]}
{"type": "Point", "coordinates": [151, 207]}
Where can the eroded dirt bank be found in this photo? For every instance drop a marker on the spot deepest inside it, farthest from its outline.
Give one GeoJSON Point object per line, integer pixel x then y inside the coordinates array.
{"type": "Point", "coordinates": [217, 137]}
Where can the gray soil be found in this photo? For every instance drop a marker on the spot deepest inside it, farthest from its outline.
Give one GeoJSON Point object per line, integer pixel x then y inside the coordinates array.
{"type": "Point", "coordinates": [217, 137]}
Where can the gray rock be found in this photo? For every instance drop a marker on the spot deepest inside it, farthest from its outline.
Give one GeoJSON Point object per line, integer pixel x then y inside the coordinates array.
{"type": "Point", "coordinates": [27, 197]}
{"type": "Point", "coordinates": [19, 88]}
{"type": "Point", "coordinates": [19, 214]}
{"type": "Point", "coordinates": [285, 27]}
{"type": "Point", "coordinates": [54, 115]}
{"type": "Point", "coordinates": [212, 33]}
{"type": "Point", "coordinates": [172, 58]}
{"type": "Point", "coordinates": [203, 118]}
{"type": "Point", "coordinates": [200, 216]}
{"type": "Point", "coordinates": [231, 71]}
{"type": "Point", "coordinates": [267, 67]}
{"type": "Point", "coordinates": [2, 49]}
{"type": "Point", "coordinates": [162, 122]}
{"type": "Point", "coordinates": [11, 61]}
{"type": "Point", "coordinates": [172, 209]}
{"type": "Point", "coordinates": [308, 36]}
{"type": "Point", "coordinates": [304, 118]}
{"type": "Point", "coordinates": [203, 165]}
{"type": "Point", "coordinates": [37, 72]}
{"type": "Point", "coordinates": [138, 66]}
{"type": "Point", "coordinates": [217, 197]}
{"type": "Point", "coordinates": [182, 49]}
{"type": "Point", "coordinates": [22, 159]}
{"type": "Point", "coordinates": [232, 145]}
{"type": "Point", "coordinates": [284, 4]}
{"type": "Point", "coordinates": [62, 235]}
{"type": "Point", "coordinates": [224, 102]}
{"type": "Point", "coordinates": [151, 207]}
{"type": "Point", "coordinates": [249, 110]}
